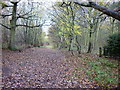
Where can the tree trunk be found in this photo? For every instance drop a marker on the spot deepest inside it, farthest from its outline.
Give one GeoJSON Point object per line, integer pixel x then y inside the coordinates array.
{"type": "Point", "coordinates": [90, 43]}
{"type": "Point", "coordinates": [78, 46]}
{"type": "Point", "coordinates": [100, 52]}
{"type": "Point", "coordinates": [13, 27]}
{"type": "Point", "coordinates": [89, 47]}
{"type": "Point", "coordinates": [12, 39]}
{"type": "Point", "coordinates": [69, 48]}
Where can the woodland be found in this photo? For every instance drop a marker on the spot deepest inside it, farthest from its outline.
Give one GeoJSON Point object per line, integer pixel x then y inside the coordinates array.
{"type": "Point", "coordinates": [65, 44]}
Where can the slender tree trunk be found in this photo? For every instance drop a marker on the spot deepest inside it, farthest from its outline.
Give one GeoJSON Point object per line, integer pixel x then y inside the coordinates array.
{"type": "Point", "coordinates": [100, 52]}
{"type": "Point", "coordinates": [26, 35]}
{"type": "Point", "coordinates": [72, 27]}
{"type": "Point", "coordinates": [13, 27]}
{"type": "Point", "coordinates": [89, 47]}
{"type": "Point", "coordinates": [78, 45]}
{"type": "Point", "coordinates": [113, 23]}
{"type": "Point", "coordinates": [90, 42]}
{"type": "Point", "coordinates": [69, 48]}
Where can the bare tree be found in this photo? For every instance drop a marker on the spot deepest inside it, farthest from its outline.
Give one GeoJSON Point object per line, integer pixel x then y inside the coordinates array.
{"type": "Point", "coordinates": [13, 22]}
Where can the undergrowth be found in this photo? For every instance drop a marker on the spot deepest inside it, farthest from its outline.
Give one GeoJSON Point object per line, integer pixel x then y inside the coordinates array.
{"type": "Point", "coordinates": [102, 70]}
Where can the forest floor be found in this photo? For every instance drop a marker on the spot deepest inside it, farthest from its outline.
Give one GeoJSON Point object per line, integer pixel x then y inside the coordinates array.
{"type": "Point", "coordinates": [45, 68]}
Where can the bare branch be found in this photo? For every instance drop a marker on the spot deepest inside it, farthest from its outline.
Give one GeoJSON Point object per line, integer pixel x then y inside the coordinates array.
{"type": "Point", "coordinates": [24, 14]}
{"type": "Point", "coordinates": [32, 26]}
{"type": "Point", "coordinates": [5, 26]}
{"type": "Point", "coordinates": [13, 2]}
{"type": "Point", "coordinates": [29, 26]}
{"type": "Point", "coordinates": [5, 15]}
{"type": "Point", "coordinates": [8, 6]}
{"type": "Point", "coordinates": [57, 14]}
{"type": "Point", "coordinates": [64, 4]}
{"type": "Point", "coordinates": [25, 17]}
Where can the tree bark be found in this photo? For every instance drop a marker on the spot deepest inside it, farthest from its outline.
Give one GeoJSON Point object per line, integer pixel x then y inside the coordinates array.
{"type": "Point", "coordinates": [13, 27]}
{"type": "Point", "coordinates": [106, 11]}
{"type": "Point", "coordinates": [90, 43]}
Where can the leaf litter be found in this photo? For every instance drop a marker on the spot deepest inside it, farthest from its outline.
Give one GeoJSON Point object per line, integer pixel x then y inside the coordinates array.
{"type": "Point", "coordinates": [44, 68]}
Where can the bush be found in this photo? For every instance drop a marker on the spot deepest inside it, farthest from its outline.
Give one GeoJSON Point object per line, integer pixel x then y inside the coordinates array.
{"type": "Point", "coordinates": [113, 46]}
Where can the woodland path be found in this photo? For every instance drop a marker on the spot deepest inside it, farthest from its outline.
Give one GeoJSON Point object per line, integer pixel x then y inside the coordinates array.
{"type": "Point", "coordinates": [36, 68]}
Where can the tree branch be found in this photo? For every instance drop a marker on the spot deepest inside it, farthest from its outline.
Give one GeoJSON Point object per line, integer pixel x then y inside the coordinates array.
{"type": "Point", "coordinates": [81, 4]}
{"type": "Point", "coordinates": [25, 17]}
{"type": "Point", "coordinates": [32, 26]}
{"type": "Point", "coordinates": [24, 14]}
{"type": "Point", "coordinates": [5, 15]}
{"type": "Point", "coordinates": [29, 26]}
{"type": "Point", "coordinates": [103, 9]}
{"type": "Point", "coordinates": [5, 26]}
{"type": "Point", "coordinates": [64, 4]}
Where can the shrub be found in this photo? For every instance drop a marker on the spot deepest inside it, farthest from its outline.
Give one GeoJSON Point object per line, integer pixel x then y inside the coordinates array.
{"type": "Point", "coordinates": [113, 46]}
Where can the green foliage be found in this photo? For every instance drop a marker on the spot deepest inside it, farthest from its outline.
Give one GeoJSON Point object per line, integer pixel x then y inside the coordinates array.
{"type": "Point", "coordinates": [103, 71]}
{"type": "Point", "coordinates": [113, 45]}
